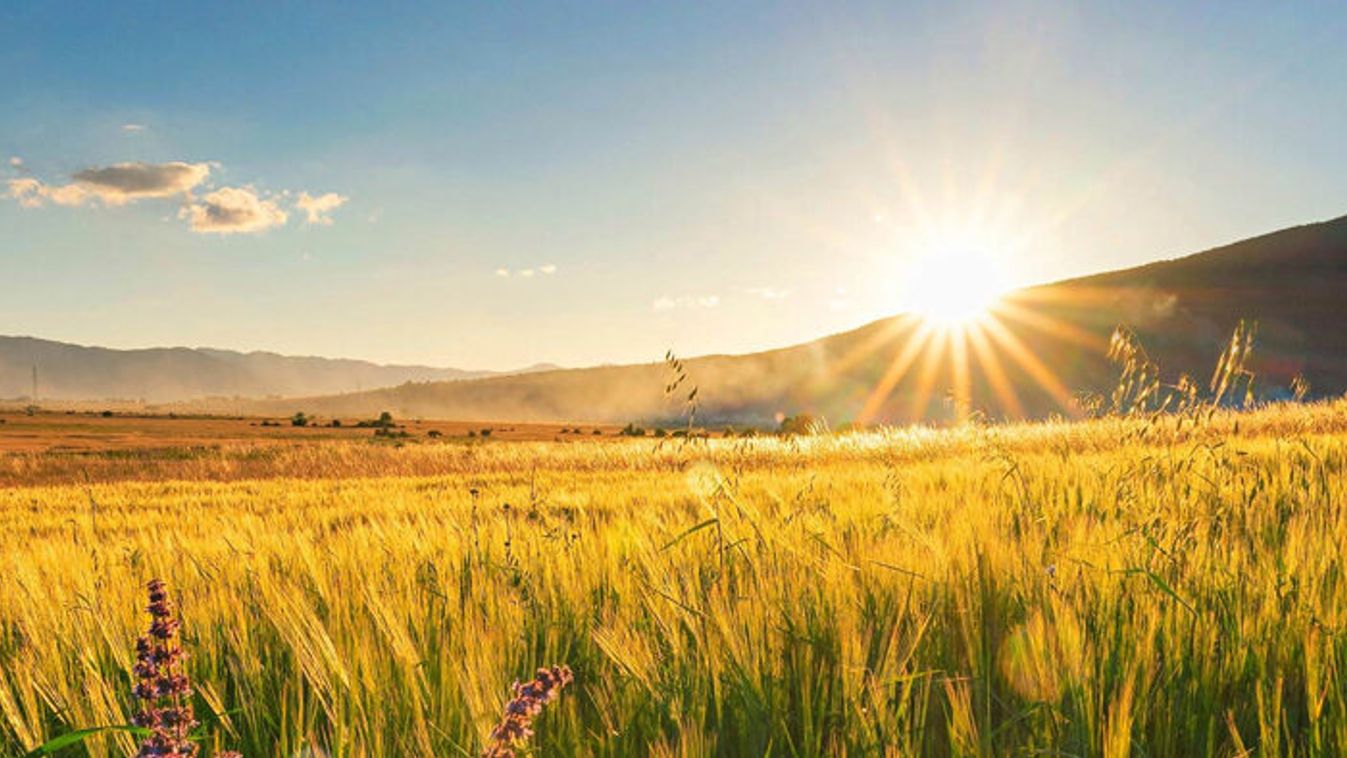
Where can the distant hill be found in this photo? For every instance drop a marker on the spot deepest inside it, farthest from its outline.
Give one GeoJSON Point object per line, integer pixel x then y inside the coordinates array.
{"type": "Point", "coordinates": [159, 375]}
{"type": "Point", "coordinates": [1048, 344]}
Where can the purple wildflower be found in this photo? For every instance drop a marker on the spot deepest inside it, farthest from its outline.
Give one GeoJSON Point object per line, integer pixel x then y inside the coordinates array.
{"type": "Point", "coordinates": [516, 724]}
{"type": "Point", "coordinates": [163, 689]}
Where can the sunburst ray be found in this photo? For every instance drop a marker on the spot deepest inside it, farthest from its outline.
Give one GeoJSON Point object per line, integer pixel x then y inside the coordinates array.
{"type": "Point", "coordinates": [1031, 364]}
{"type": "Point", "coordinates": [986, 358]}
{"type": "Point", "coordinates": [895, 372]}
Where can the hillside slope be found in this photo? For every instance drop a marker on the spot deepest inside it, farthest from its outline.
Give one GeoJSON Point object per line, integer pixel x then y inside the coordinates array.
{"type": "Point", "coordinates": [76, 372]}
{"type": "Point", "coordinates": [1048, 343]}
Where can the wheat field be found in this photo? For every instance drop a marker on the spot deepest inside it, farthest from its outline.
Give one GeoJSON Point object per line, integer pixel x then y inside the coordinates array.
{"type": "Point", "coordinates": [1157, 586]}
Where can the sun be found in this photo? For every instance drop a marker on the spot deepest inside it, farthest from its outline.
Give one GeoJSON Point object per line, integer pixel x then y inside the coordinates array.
{"type": "Point", "coordinates": [954, 281]}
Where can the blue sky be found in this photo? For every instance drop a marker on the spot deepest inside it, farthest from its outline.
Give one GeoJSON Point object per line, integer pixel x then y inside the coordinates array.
{"type": "Point", "coordinates": [706, 177]}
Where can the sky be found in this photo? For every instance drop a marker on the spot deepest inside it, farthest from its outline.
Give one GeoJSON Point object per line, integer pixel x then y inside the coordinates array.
{"type": "Point", "coordinates": [491, 185]}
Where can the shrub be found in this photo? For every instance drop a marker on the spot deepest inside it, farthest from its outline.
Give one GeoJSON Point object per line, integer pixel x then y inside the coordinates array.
{"type": "Point", "coordinates": [801, 423]}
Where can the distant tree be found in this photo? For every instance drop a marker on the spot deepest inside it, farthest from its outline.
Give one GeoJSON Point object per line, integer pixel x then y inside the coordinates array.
{"type": "Point", "coordinates": [299, 419]}
{"type": "Point", "coordinates": [385, 420]}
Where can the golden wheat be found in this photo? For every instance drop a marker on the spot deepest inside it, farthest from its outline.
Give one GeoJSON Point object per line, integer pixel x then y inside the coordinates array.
{"type": "Point", "coordinates": [1157, 586]}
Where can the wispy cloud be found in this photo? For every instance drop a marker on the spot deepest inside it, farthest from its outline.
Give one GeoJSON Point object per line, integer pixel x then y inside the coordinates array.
{"type": "Point", "coordinates": [31, 193]}
{"type": "Point", "coordinates": [767, 293]}
{"type": "Point", "coordinates": [546, 270]}
{"type": "Point", "coordinates": [316, 209]}
{"type": "Point", "coordinates": [134, 128]}
{"type": "Point", "coordinates": [16, 163]}
{"type": "Point", "coordinates": [233, 210]}
{"type": "Point", "coordinates": [667, 303]}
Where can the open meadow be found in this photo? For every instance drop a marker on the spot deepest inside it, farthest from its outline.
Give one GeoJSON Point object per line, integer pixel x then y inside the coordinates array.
{"type": "Point", "coordinates": [1127, 586]}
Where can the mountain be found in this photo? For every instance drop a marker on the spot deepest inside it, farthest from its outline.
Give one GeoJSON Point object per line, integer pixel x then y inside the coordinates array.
{"type": "Point", "coordinates": [1045, 347]}
{"type": "Point", "coordinates": [158, 375]}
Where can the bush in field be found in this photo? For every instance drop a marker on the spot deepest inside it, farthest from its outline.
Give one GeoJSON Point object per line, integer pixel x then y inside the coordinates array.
{"type": "Point", "coordinates": [802, 423]}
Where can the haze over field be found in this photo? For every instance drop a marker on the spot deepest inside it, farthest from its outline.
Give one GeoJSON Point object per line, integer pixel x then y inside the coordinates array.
{"type": "Point", "coordinates": [1039, 350]}
{"type": "Point", "coordinates": [1036, 352]}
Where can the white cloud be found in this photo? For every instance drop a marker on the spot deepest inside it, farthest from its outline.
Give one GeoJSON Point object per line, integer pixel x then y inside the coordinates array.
{"type": "Point", "coordinates": [768, 293]}
{"type": "Point", "coordinates": [316, 209]}
{"type": "Point", "coordinates": [545, 269]}
{"type": "Point", "coordinates": [233, 210]}
{"type": "Point", "coordinates": [667, 303]}
{"type": "Point", "coordinates": [15, 162]}
{"type": "Point", "coordinates": [134, 128]}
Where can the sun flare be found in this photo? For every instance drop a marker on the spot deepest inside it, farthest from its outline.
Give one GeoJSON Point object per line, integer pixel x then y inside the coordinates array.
{"type": "Point", "coordinates": [955, 282]}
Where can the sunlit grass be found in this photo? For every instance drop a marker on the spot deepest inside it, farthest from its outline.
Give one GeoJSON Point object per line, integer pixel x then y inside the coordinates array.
{"type": "Point", "coordinates": [1123, 586]}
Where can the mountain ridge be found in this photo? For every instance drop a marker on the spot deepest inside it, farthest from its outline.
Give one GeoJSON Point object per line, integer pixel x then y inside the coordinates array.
{"type": "Point", "coordinates": [70, 371]}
